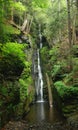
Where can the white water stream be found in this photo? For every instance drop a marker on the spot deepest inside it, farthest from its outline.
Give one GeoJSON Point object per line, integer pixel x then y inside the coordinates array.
{"type": "Point", "coordinates": [40, 81]}
{"type": "Point", "coordinates": [40, 77]}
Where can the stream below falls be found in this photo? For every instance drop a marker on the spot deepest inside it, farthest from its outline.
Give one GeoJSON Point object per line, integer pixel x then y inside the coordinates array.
{"type": "Point", "coordinates": [41, 111]}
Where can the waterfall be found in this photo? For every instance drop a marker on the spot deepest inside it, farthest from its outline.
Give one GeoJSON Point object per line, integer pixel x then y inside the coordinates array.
{"type": "Point", "coordinates": [40, 81]}
{"type": "Point", "coordinates": [37, 71]}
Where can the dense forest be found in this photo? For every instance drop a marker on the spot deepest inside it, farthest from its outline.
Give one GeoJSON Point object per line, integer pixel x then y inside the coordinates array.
{"type": "Point", "coordinates": [36, 33]}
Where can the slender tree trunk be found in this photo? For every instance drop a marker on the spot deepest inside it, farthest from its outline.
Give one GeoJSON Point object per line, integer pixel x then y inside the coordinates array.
{"type": "Point", "coordinates": [59, 8]}
{"type": "Point", "coordinates": [24, 25]}
{"type": "Point", "coordinates": [2, 12]}
{"type": "Point", "coordinates": [69, 23]}
{"type": "Point", "coordinates": [73, 24]}
{"type": "Point", "coordinates": [30, 24]}
{"type": "Point", "coordinates": [77, 4]}
{"type": "Point", "coordinates": [74, 30]}
{"type": "Point", "coordinates": [49, 91]}
{"type": "Point", "coordinates": [69, 34]}
{"type": "Point", "coordinates": [12, 10]}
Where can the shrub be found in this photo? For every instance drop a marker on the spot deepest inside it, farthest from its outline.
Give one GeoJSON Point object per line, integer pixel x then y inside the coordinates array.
{"type": "Point", "coordinates": [75, 50]}
{"type": "Point", "coordinates": [59, 70]}
{"type": "Point", "coordinates": [25, 81]}
{"type": "Point", "coordinates": [66, 92]}
{"type": "Point", "coordinates": [44, 54]}
{"type": "Point", "coordinates": [54, 54]}
{"type": "Point", "coordinates": [12, 60]}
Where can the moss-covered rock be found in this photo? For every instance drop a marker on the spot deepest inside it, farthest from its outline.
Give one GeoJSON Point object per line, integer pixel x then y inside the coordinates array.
{"type": "Point", "coordinates": [66, 98]}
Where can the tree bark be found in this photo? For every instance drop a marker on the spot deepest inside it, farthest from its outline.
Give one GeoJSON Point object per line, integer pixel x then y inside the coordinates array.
{"type": "Point", "coordinates": [24, 25]}
{"type": "Point", "coordinates": [69, 34]}
{"type": "Point", "coordinates": [49, 91]}
{"type": "Point", "coordinates": [73, 24]}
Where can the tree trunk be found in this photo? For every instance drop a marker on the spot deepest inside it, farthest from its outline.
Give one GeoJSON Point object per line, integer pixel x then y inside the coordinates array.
{"type": "Point", "coordinates": [30, 24]}
{"type": "Point", "coordinates": [24, 25]}
{"type": "Point", "coordinates": [73, 24]}
{"type": "Point", "coordinates": [49, 91]}
{"type": "Point", "coordinates": [69, 34]}
{"type": "Point", "coordinates": [59, 8]}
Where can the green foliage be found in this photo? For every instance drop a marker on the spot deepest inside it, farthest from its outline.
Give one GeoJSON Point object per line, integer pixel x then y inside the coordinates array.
{"type": "Point", "coordinates": [58, 65]}
{"type": "Point", "coordinates": [13, 66]}
{"type": "Point", "coordinates": [54, 54]}
{"type": "Point", "coordinates": [39, 10]}
{"type": "Point", "coordinates": [9, 93]}
{"type": "Point", "coordinates": [66, 92]}
{"type": "Point", "coordinates": [75, 50]}
{"type": "Point", "coordinates": [12, 60]}
{"type": "Point", "coordinates": [59, 70]}
{"type": "Point", "coordinates": [3, 36]}
{"type": "Point", "coordinates": [40, 3]}
{"type": "Point", "coordinates": [54, 50]}
{"type": "Point", "coordinates": [19, 8]}
{"type": "Point", "coordinates": [57, 18]}
{"type": "Point", "coordinates": [8, 10]}
{"type": "Point", "coordinates": [45, 59]}
{"type": "Point", "coordinates": [69, 78]}
{"type": "Point", "coordinates": [11, 30]}
{"type": "Point", "coordinates": [9, 97]}
{"type": "Point", "coordinates": [5, 11]}
{"type": "Point", "coordinates": [44, 53]}
{"type": "Point", "coordinates": [13, 49]}
{"type": "Point", "coordinates": [26, 73]}
{"type": "Point", "coordinates": [56, 70]}
{"type": "Point", "coordinates": [25, 81]}
{"type": "Point", "coordinates": [75, 64]}
{"type": "Point", "coordinates": [4, 91]}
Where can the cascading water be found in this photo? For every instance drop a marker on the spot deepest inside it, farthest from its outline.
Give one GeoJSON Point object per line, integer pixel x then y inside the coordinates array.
{"type": "Point", "coordinates": [40, 78]}
{"type": "Point", "coordinates": [40, 82]}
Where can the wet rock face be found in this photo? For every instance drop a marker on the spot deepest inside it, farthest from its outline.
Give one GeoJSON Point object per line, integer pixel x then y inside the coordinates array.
{"type": "Point", "coordinates": [23, 125]}
{"type": "Point", "coordinates": [21, 39]}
